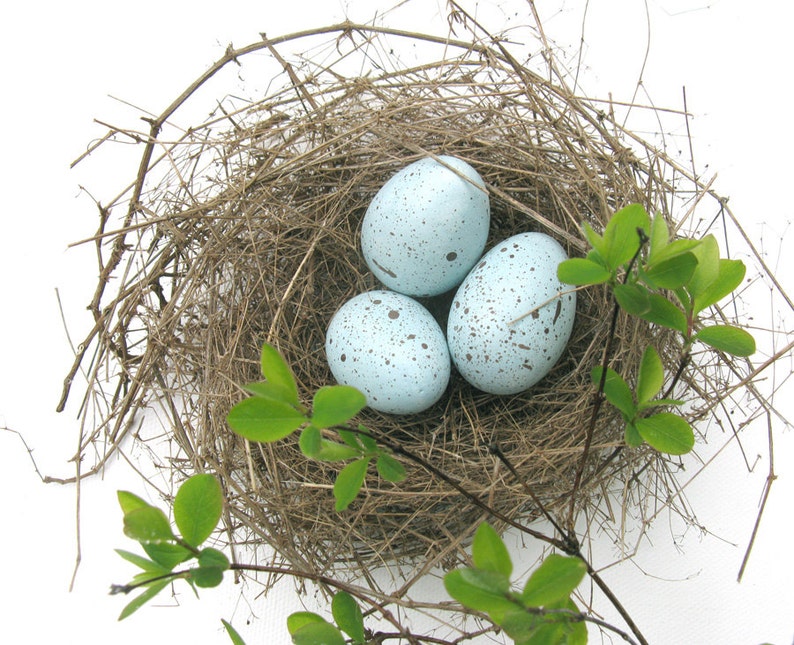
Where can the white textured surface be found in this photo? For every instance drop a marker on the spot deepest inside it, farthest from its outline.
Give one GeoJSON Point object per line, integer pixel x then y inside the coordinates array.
{"type": "Point", "coordinates": [61, 63]}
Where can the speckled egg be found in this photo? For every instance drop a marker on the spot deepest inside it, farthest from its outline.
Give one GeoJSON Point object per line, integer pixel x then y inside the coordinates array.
{"type": "Point", "coordinates": [508, 325]}
{"type": "Point", "coordinates": [427, 226]}
{"type": "Point", "coordinates": [389, 346]}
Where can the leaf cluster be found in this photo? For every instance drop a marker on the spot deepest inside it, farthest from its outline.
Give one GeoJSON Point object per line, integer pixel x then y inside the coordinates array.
{"type": "Point", "coordinates": [275, 412]}
{"type": "Point", "coordinates": [197, 509]}
{"type": "Point", "coordinates": [542, 612]}
{"type": "Point", "coordinates": [667, 282]}
{"type": "Point", "coordinates": [665, 431]}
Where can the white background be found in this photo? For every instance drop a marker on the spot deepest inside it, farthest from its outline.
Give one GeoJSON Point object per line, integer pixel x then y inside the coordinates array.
{"type": "Point", "coordinates": [62, 63]}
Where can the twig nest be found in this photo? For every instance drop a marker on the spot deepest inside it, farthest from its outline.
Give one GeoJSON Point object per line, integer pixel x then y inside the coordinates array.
{"type": "Point", "coordinates": [248, 231]}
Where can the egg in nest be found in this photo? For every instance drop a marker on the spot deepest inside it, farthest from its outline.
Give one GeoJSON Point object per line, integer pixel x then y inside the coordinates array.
{"type": "Point", "coordinates": [391, 348]}
{"type": "Point", "coordinates": [427, 226]}
{"type": "Point", "coordinates": [511, 318]}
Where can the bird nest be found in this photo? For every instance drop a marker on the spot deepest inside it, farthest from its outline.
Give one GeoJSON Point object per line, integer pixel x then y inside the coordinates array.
{"type": "Point", "coordinates": [245, 230]}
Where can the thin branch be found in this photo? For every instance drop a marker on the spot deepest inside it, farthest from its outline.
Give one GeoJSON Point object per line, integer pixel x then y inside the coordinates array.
{"type": "Point", "coordinates": [479, 503]}
{"type": "Point", "coordinates": [494, 449]}
{"type": "Point", "coordinates": [771, 477]}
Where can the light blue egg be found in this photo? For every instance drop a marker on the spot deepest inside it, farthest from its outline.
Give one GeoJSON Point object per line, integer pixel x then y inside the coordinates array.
{"type": "Point", "coordinates": [508, 324]}
{"type": "Point", "coordinates": [392, 349]}
{"type": "Point", "coordinates": [426, 227]}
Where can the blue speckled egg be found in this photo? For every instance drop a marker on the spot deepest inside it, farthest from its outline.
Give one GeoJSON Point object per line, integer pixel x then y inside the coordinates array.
{"type": "Point", "coordinates": [494, 344]}
{"type": "Point", "coordinates": [392, 349]}
{"type": "Point", "coordinates": [426, 227]}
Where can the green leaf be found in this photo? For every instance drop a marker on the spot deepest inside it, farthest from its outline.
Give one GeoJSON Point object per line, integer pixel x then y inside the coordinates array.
{"type": "Point", "coordinates": [147, 524]}
{"type": "Point", "coordinates": [489, 551]}
{"type": "Point", "coordinates": [659, 237]}
{"type": "Point", "coordinates": [348, 483]}
{"type": "Point", "coordinates": [321, 633]}
{"type": "Point", "coordinates": [731, 273]}
{"type": "Point", "coordinates": [664, 313]}
{"type": "Point", "coordinates": [232, 632]}
{"type": "Point", "coordinates": [310, 441]}
{"type": "Point", "coordinates": [684, 299]}
{"type": "Point", "coordinates": [708, 267]}
{"type": "Point", "coordinates": [350, 438]}
{"type": "Point", "coordinates": [390, 469]}
{"type": "Point", "coordinates": [481, 590]}
{"type": "Point", "coordinates": [150, 566]}
{"type": "Point", "coordinates": [520, 625]}
{"type": "Point", "coordinates": [197, 508]}
{"type": "Point", "coordinates": [674, 248]}
{"type": "Point", "coordinates": [595, 240]}
{"type": "Point", "coordinates": [548, 632]}
{"type": "Point", "coordinates": [651, 375]}
{"type": "Point", "coordinates": [576, 630]}
{"type": "Point", "coordinates": [672, 273]}
{"type": "Point", "coordinates": [616, 391]}
{"type": "Point", "coordinates": [268, 390]}
{"type": "Point", "coordinates": [631, 436]}
{"type": "Point", "coordinates": [554, 580]}
{"type": "Point", "coordinates": [366, 439]}
{"type": "Point", "coordinates": [621, 239]}
{"type": "Point", "coordinates": [727, 338]}
{"type": "Point", "coordinates": [212, 564]}
{"type": "Point", "coordinates": [150, 592]}
{"type": "Point", "coordinates": [336, 404]}
{"type": "Point", "coordinates": [299, 619]}
{"type": "Point", "coordinates": [348, 616]}
{"type": "Point", "coordinates": [277, 372]}
{"type": "Point", "coordinates": [210, 557]}
{"type": "Point", "coordinates": [334, 451]}
{"type": "Point", "coordinates": [144, 578]}
{"type": "Point", "coordinates": [633, 298]}
{"type": "Point", "coordinates": [594, 257]}
{"type": "Point", "coordinates": [659, 402]}
{"type": "Point", "coordinates": [167, 554]}
{"type": "Point", "coordinates": [264, 420]}
{"type": "Point", "coordinates": [579, 271]}
{"type": "Point", "coordinates": [667, 432]}
{"type": "Point", "coordinates": [206, 577]}
{"type": "Point", "coordinates": [130, 502]}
